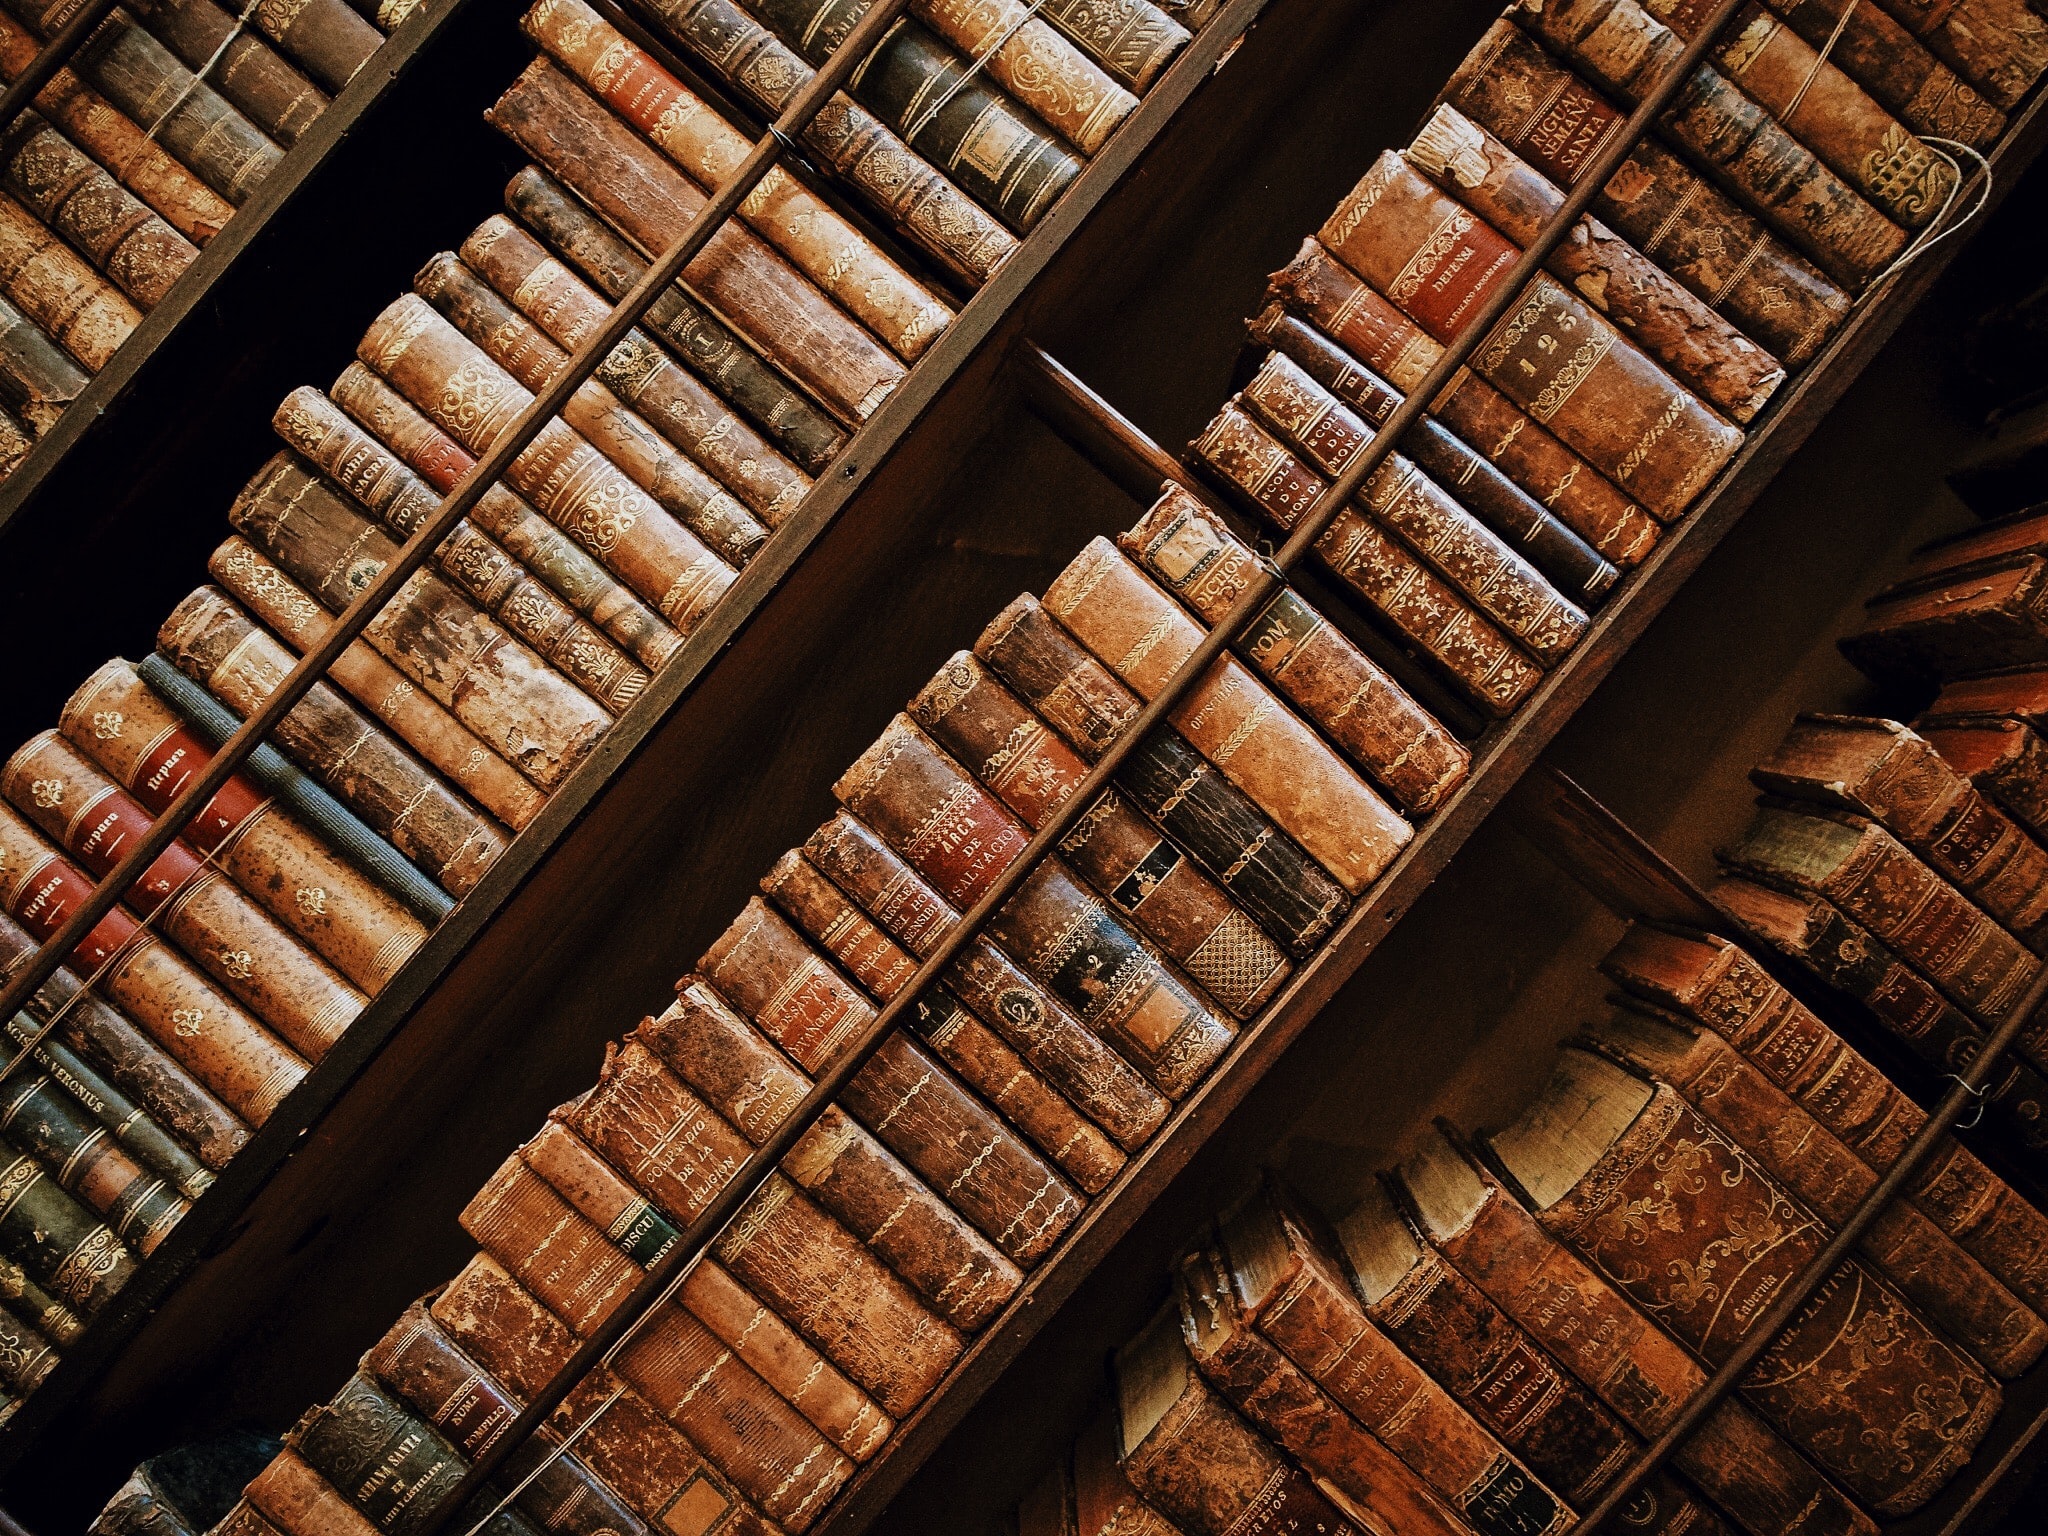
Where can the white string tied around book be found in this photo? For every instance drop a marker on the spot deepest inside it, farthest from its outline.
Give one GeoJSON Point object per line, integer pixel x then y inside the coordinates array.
{"type": "Point", "coordinates": [974, 67]}
{"type": "Point", "coordinates": [1820, 60]}
{"type": "Point", "coordinates": [1938, 228]}
{"type": "Point", "coordinates": [199, 75]}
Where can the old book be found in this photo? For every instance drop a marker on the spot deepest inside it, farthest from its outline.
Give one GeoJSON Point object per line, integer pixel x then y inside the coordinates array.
{"type": "Point", "coordinates": [77, 1257]}
{"type": "Point", "coordinates": [1266, 871]}
{"type": "Point", "coordinates": [1502, 1376]}
{"type": "Point", "coordinates": [48, 1124]}
{"type": "Point", "coordinates": [1330, 296]}
{"type": "Point", "coordinates": [37, 381]}
{"type": "Point", "coordinates": [1596, 1143]}
{"type": "Point", "coordinates": [1132, 39]}
{"type": "Point", "coordinates": [1688, 226]}
{"type": "Point", "coordinates": [1991, 617]}
{"type": "Point", "coordinates": [1704, 352]}
{"type": "Point", "coordinates": [1015, 1006]}
{"type": "Point", "coordinates": [298, 1501]}
{"type": "Point", "coordinates": [680, 406]}
{"type": "Point", "coordinates": [1189, 1455]}
{"type": "Point", "coordinates": [1903, 1246]}
{"type": "Point", "coordinates": [806, 229]}
{"type": "Point", "coordinates": [2016, 533]}
{"type": "Point", "coordinates": [24, 1296]}
{"type": "Point", "coordinates": [1737, 140]}
{"type": "Point", "coordinates": [463, 658]}
{"type": "Point", "coordinates": [227, 1050]}
{"type": "Point", "coordinates": [1638, 1370]}
{"type": "Point", "coordinates": [560, 473]}
{"type": "Point", "coordinates": [26, 1357]}
{"type": "Point", "coordinates": [237, 61]}
{"type": "Point", "coordinates": [1463, 644]}
{"type": "Point", "coordinates": [980, 1056]}
{"type": "Point", "coordinates": [928, 209]}
{"type": "Point", "coordinates": [16, 442]}
{"type": "Point", "coordinates": [960, 837]}
{"type": "Point", "coordinates": [2003, 758]}
{"type": "Point", "coordinates": [933, 97]}
{"type": "Point", "coordinates": [390, 1466]}
{"type": "Point", "coordinates": [1292, 1290]}
{"type": "Point", "coordinates": [1498, 581]}
{"type": "Point", "coordinates": [995, 735]}
{"type": "Point", "coordinates": [1031, 58]}
{"type": "Point", "coordinates": [1230, 717]}
{"type": "Point", "coordinates": [1873, 878]}
{"type": "Point", "coordinates": [103, 131]}
{"type": "Point", "coordinates": [2012, 693]}
{"type": "Point", "coordinates": [81, 311]}
{"type": "Point", "coordinates": [1841, 952]}
{"type": "Point", "coordinates": [1487, 492]}
{"type": "Point", "coordinates": [1884, 770]}
{"type": "Point", "coordinates": [1551, 353]}
{"type": "Point", "coordinates": [1999, 46]}
{"type": "Point", "coordinates": [1104, 1503]}
{"type": "Point", "coordinates": [209, 915]}
{"type": "Point", "coordinates": [328, 39]}
{"type": "Point", "coordinates": [649, 200]}
{"type": "Point", "coordinates": [663, 1476]}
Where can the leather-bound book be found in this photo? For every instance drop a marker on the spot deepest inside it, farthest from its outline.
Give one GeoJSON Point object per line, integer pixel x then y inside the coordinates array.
{"type": "Point", "coordinates": [25, 1296]}
{"type": "Point", "coordinates": [959, 836]}
{"type": "Point", "coordinates": [979, 1055]}
{"type": "Point", "coordinates": [2009, 693]}
{"type": "Point", "coordinates": [1502, 1376]}
{"type": "Point", "coordinates": [926, 208]}
{"type": "Point", "coordinates": [81, 311]}
{"type": "Point", "coordinates": [1031, 58]}
{"type": "Point", "coordinates": [478, 564]}
{"type": "Point", "coordinates": [543, 724]}
{"type": "Point", "coordinates": [680, 406]}
{"type": "Point", "coordinates": [1991, 617]}
{"type": "Point", "coordinates": [909, 1100]}
{"type": "Point", "coordinates": [2024, 532]}
{"type": "Point", "coordinates": [1230, 717]}
{"type": "Point", "coordinates": [1014, 1005]}
{"type": "Point", "coordinates": [676, 482]}
{"type": "Point", "coordinates": [119, 233]}
{"type": "Point", "coordinates": [564, 1260]}
{"type": "Point", "coordinates": [449, 378]}
{"type": "Point", "coordinates": [1688, 226]}
{"type": "Point", "coordinates": [295, 1500]}
{"type": "Point", "coordinates": [1999, 46]}
{"type": "Point", "coordinates": [994, 734]}
{"type": "Point", "coordinates": [1266, 871]}
{"type": "Point", "coordinates": [37, 381]}
{"type": "Point", "coordinates": [1104, 1502]}
{"type": "Point", "coordinates": [650, 201]}
{"type": "Point", "coordinates": [1132, 39]}
{"type": "Point", "coordinates": [543, 548]}
{"type": "Point", "coordinates": [207, 914]}
{"type": "Point", "coordinates": [1487, 492]}
{"type": "Point", "coordinates": [506, 1332]}
{"type": "Point", "coordinates": [392, 1467]}
{"type": "Point", "coordinates": [326, 37]}
{"type": "Point", "coordinates": [1331, 297]}
{"type": "Point", "coordinates": [1704, 352]}
{"type": "Point", "coordinates": [52, 1127]}
{"type": "Point", "coordinates": [1288, 1286]}
{"type": "Point", "coordinates": [1842, 953]}
{"type": "Point", "coordinates": [1190, 1456]}
{"type": "Point", "coordinates": [1873, 878]}
{"type": "Point", "coordinates": [1462, 643]}
{"type": "Point", "coordinates": [26, 1357]}
{"type": "Point", "coordinates": [16, 442]}
{"type": "Point", "coordinates": [1885, 771]}
{"type": "Point", "coordinates": [56, 1240]}
{"type": "Point", "coordinates": [1327, 435]}
{"type": "Point", "coordinates": [1903, 1246]}
{"type": "Point", "coordinates": [1739, 142]}
{"type": "Point", "coordinates": [163, 1089]}
{"type": "Point", "coordinates": [805, 228]}
{"type": "Point", "coordinates": [1712, 982]}
{"type": "Point", "coordinates": [1551, 353]}
{"type": "Point", "coordinates": [104, 132]}
{"type": "Point", "coordinates": [1636, 1368]}
{"type": "Point", "coordinates": [264, 87]}
{"type": "Point", "coordinates": [2003, 758]}
{"type": "Point", "coordinates": [227, 1050]}
{"type": "Point", "coordinates": [1601, 1144]}
{"type": "Point", "coordinates": [991, 147]}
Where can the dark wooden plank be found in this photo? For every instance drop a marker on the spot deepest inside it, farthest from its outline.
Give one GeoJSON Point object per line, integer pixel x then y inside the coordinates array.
{"type": "Point", "coordinates": [1597, 849]}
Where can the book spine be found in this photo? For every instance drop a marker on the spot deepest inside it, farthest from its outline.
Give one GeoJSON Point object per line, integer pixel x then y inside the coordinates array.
{"type": "Point", "coordinates": [392, 1467]}
{"type": "Point", "coordinates": [820, 243]}
{"type": "Point", "coordinates": [2000, 46]}
{"type": "Point", "coordinates": [300, 1502]}
{"type": "Point", "coordinates": [2016, 777]}
{"type": "Point", "coordinates": [252, 77]}
{"type": "Point", "coordinates": [77, 308]}
{"type": "Point", "coordinates": [25, 1297]}
{"type": "Point", "coordinates": [1036, 64]}
{"type": "Point", "coordinates": [1701, 350]}
{"type": "Point", "coordinates": [1132, 39]}
{"type": "Point", "coordinates": [638, 371]}
{"type": "Point", "coordinates": [16, 442]}
{"type": "Point", "coordinates": [56, 1240]}
{"type": "Point", "coordinates": [521, 1222]}
{"type": "Point", "coordinates": [703, 343]}
{"type": "Point", "coordinates": [329, 40]}
{"type": "Point", "coordinates": [26, 1357]}
{"type": "Point", "coordinates": [567, 480]}
{"type": "Point", "coordinates": [648, 200]}
{"type": "Point", "coordinates": [892, 177]}
{"type": "Point", "coordinates": [37, 380]}
{"type": "Point", "coordinates": [1879, 54]}
{"type": "Point", "coordinates": [1327, 435]}
{"type": "Point", "coordinates": [38, 1116]}
{"type": "Point", "coordinates": [119, 235]}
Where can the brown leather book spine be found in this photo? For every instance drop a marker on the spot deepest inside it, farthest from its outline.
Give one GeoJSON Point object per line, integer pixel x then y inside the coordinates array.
{"type": "Point", "coordinates": [1035, 63]}
{"type": "Point", "coordinates": [242, 1520]}
{"type": "Point", "coordinates": [1876, 51]}
{"type": "Point", "coordinates": [1094, 1497]}
{"type": "Point", "coordinates": [245, 69]}
{"type": "Point", "coordinates": [654, 1130]}
{"type": "Point", "coordinates": [300, 1502]}
{"type": "Point", "coordinates": [1990, 617]}
{"type": "Point", "coordinates": [677, 483]}
{"type": "Point", "coordinates": [450, 379]}
{"type": "Point", "coordinates": [1499, 582]}
{"type": "Point", "coordinates": [806, 229]}
{"type": "Point", "coordinates": [555, 120]}
{"type": "Point", "coordinates": [327, 37]}
{"type": "Point", "coordinates": [957, 1037]}
{"type": "Point", "coordinates": [989, 730]}
{"type": "Point", "coordinates": [2000, 46]}
{"type": "Point", "coordinates": [2005, 759]}
{"type": "Point", "coordinates": [564, 1260]}
{"type": "Point", "coordinates": [1330, 296]}
{"type": "Point", "coordinates": [638, 371]}
{"type": "Point", "coordinates": [1011, 1003]}
{"type": "Point", "coordinates": [1695, 345]}
{"type": "Point", "coordinates": [1551, 354]}
{"type": "Point", "coordinates": [81, 311]}
{"type": "Point", "coordinates": [1702, 237]}
{"type": "Point", "coordinates": [1816, 1379]}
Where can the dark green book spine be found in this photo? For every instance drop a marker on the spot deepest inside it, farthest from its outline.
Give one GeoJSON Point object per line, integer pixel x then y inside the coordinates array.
{"type": "Point", "coordinates": [55, 1239]}
{"type": "Point", "coordinates": [89, 1164]}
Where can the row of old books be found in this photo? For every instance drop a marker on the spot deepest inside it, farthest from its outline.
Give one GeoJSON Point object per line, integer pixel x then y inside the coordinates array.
{"type": "Point", "coordinates": [240, 959]}
{"type": "Point", "coordinates": [134, 155]}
